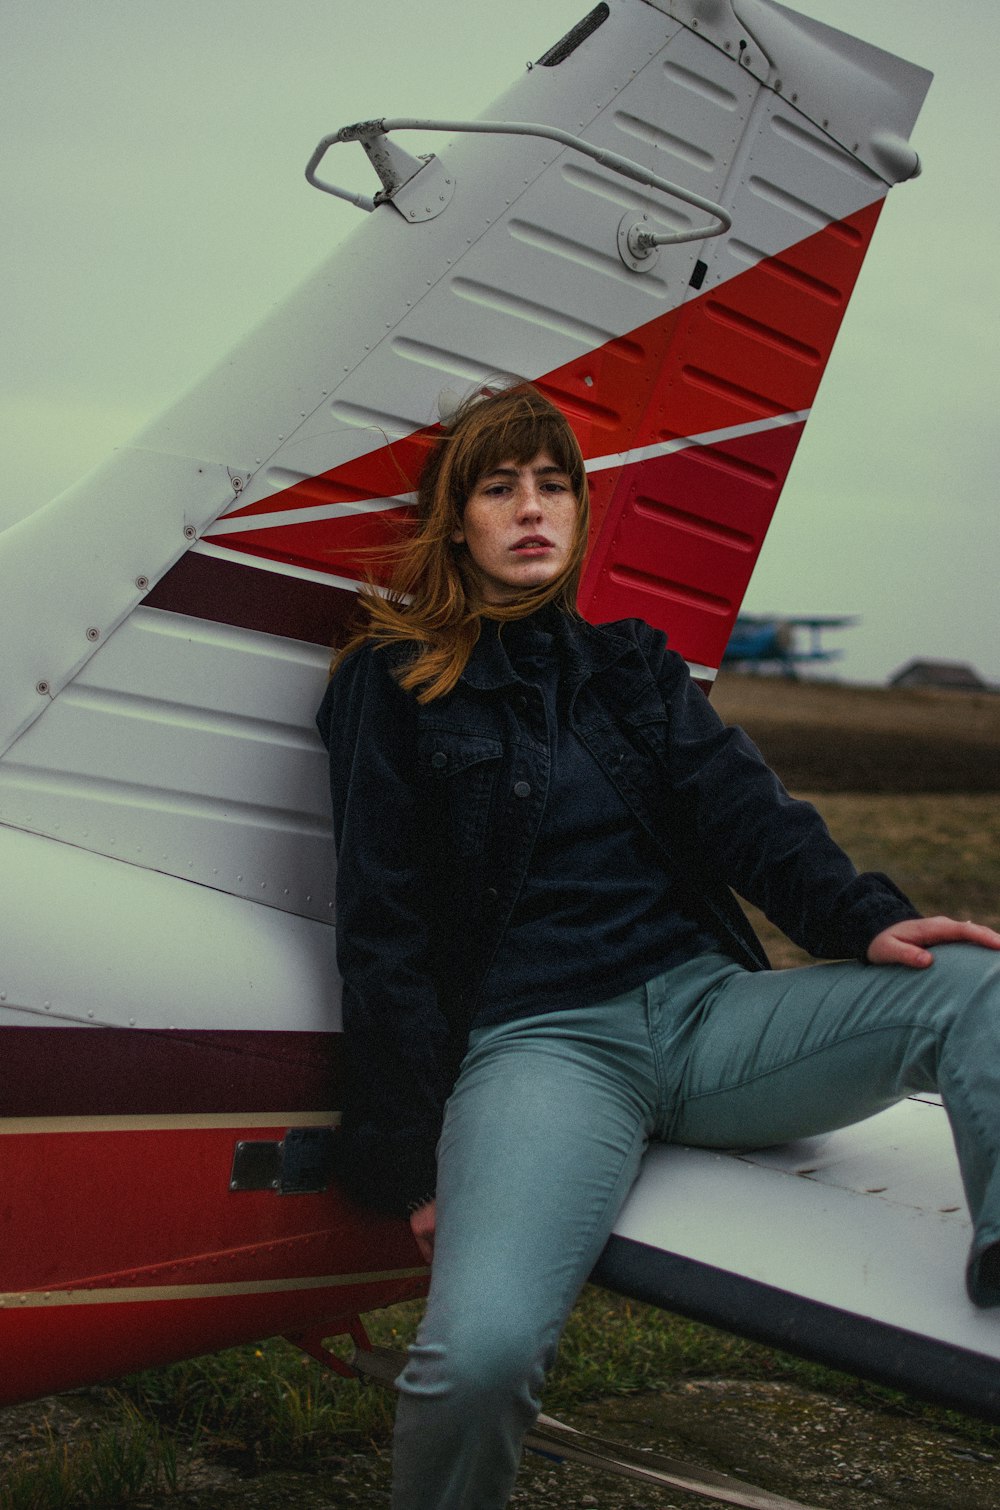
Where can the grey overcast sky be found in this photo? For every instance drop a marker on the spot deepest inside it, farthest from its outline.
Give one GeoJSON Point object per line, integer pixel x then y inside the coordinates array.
{"type": "Point", "coordinates": [154, 207]}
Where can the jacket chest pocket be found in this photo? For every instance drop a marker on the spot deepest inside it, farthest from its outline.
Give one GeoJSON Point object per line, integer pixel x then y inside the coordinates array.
{"type": "Point", "coordinates": [459, 774]}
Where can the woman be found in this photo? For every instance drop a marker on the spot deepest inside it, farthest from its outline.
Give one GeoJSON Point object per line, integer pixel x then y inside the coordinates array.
{"type": "Point", "coordinates": [538, 822]}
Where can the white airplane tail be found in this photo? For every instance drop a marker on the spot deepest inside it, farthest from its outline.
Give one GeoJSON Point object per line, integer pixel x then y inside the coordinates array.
{"type": "Point", "coordinates": [167, 621]}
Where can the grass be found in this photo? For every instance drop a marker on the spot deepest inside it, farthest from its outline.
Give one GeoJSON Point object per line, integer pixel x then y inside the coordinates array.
{"type": "Point", "coordinates": [265, 1407]}
{"type": "Point", "coordinates": [130, 1456]}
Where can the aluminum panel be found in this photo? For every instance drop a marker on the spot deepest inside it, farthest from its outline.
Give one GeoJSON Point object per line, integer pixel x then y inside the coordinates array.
{"type": "Point", "coordinates": [89, 941]}
{"type": "Point", "coordinates": [190, 748]}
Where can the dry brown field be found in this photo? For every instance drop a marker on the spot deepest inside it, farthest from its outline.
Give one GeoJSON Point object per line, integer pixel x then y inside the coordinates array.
{"type": "Point", "coordinates": [908, 782]}
{"type": "Point", "coordinates": [831, 737]}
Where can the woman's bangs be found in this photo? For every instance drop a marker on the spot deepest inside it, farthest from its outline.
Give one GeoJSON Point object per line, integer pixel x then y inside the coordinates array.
{"type": "Point", "coordinates": [519, 439]}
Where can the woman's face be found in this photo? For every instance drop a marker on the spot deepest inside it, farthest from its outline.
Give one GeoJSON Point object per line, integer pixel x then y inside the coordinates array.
{"type": "Point", "coordinates": [518, 527]}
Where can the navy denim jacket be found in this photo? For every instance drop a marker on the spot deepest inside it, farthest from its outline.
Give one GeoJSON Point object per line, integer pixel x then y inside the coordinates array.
{"type": "Point", "coordinates": [436, 809]}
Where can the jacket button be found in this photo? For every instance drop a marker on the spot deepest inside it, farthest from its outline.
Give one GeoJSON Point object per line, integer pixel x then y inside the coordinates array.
{"type": "Point", "coordinates": [522, 789]}
{"type": "Point", "coordinates": [439, 760]}
{"type": "Point", "coordinates": [491, 893]}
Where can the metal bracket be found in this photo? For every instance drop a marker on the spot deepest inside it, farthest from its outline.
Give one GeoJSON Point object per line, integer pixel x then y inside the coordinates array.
{"type": "Point", "coordinates": [391, 164]}
{"type": "Point", "coordinates": [640, 256]}
{"type": "Point", "coordinates": [300, 1164]}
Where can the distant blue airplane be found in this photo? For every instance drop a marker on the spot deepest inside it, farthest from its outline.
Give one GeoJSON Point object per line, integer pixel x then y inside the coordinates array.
{"type": "Point", "coordinates": [760, 640]}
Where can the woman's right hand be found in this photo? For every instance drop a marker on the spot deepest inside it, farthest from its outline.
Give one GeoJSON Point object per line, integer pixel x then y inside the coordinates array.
{"type": "Point", "coordinates": [422, 1226]}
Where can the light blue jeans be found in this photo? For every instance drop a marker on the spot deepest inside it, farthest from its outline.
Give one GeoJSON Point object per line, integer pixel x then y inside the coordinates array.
{"type": "Point", "coordinates": [548, 1121]}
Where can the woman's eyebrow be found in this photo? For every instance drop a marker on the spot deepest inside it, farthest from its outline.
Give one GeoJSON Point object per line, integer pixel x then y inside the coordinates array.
{"type": "Point", "coordinates": [552, 471]}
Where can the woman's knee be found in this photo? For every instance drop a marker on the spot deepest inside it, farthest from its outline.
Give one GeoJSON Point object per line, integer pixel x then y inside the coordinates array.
{"type": "Point", "coordinates": [490, 1363]}
{"type": "Point", "coordinates": [965, 977]}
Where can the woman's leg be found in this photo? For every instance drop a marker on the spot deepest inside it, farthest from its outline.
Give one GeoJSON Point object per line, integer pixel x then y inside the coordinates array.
{"type": "Point", "coordinates": [784, 1054]}
{"type": "Point", "coordinates": [542, 1140]}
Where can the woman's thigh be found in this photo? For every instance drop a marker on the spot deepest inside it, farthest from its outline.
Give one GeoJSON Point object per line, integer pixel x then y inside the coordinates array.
{"type": "Point", "coordinates": [784, 1054]}
{"type": "Point", "coordinates": [542, 1140]}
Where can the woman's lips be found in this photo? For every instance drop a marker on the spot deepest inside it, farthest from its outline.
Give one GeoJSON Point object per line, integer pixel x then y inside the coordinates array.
{"type": "Point", "coordinates": [532, 545]}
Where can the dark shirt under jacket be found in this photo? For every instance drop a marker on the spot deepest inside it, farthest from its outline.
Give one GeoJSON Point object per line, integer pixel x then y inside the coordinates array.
{"type": "Point", "coordinates": [570, 943]}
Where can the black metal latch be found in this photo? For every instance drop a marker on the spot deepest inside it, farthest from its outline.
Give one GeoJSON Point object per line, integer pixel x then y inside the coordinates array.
{"type": "Point", "coordinates": [301, 1164]}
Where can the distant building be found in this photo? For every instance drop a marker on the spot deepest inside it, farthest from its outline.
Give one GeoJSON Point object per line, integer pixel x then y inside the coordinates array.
{"type": "Point", "coordinates": [952, 676]}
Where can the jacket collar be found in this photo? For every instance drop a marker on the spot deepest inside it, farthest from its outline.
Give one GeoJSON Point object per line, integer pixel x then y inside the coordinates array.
{"type": "Point", "coordinates": [585, 649]}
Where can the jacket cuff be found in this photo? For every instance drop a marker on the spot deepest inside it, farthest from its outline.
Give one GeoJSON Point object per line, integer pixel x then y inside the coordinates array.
{"type": "Point", "coordinates": [878, 904]}
{"type": "Point", "coordinates": [389, 1174]}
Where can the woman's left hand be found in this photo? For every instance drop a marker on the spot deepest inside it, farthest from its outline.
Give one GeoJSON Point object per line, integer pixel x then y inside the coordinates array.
{"type": "Point", "coordinates": [909, 942]}
{"type": "Point", "coordinates": [422, 1225]}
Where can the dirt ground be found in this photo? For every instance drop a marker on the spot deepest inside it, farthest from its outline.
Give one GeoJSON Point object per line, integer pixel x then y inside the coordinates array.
{"type": "Point", "coordinates": [830, 737]}
{"type": "Point", "coordinates": [814, 1450]}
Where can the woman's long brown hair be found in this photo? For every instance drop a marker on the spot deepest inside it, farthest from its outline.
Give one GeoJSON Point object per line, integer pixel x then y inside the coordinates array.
{"type": "Point", "coordinates": [434, 601]}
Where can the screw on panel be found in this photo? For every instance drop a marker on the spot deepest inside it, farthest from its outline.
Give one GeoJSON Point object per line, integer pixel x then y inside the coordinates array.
{"type": "Point", "coordinates": [142, 583]}
{"type": "Point", "coordinates": [93, 634]}
{"type": "Point", "coordinates": [42, 688]}
{"type": "Point", "coordinates": [189, 532]}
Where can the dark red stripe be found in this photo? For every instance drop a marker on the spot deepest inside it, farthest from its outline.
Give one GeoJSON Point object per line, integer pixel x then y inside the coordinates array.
{"type": "Point", "coordinates": [93, 1072]}
{"type": "Point", "coordinates": [225, 592]}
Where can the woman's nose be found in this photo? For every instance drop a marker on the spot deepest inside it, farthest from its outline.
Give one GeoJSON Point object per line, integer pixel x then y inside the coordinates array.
{"type": "Point", "coordinates": [530, 500]}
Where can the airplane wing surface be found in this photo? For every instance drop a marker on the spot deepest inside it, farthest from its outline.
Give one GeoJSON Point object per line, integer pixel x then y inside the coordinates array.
{"type": "Point", "coordinates": [848, 1249]}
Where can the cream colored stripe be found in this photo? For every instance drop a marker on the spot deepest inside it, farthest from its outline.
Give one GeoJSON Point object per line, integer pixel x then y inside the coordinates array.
{"type": "Point", "coordinates": [167, 1122]}
{"type": "Point", "coordinates": [242, 524]}
{"type": "Point", "coordinates": [146, 1293]}
{"type": "Point", "coordinates": [706, 438]}
{"type": "Point", "coordinates": [281, 568]}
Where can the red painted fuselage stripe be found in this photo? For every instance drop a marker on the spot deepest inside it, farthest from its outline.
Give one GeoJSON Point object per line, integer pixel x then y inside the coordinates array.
{"type": "Point", "coordinates": [88, 1072]}
{"type": "Point", "coordinates": [677, 537]}
{"type": "Point", "coordinates": [754, 346]}
{"type": "Point", "coordinates": [739, 354]}
{"type": "Point", "coordinates": [181, 1224]}
{"type": "Point", "coordinates": [229, 592]}
{"type": "Point", "coordinates": [48, 1351]}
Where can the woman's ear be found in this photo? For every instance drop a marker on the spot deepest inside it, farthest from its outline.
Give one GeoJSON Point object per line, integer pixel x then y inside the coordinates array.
{"type": "Point", "coordinates": [458, 535]}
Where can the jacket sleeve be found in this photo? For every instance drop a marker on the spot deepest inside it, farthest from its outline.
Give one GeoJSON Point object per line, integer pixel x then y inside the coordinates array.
{"type": "Point", "coordinates": [772, 849]}
{"type": "Point", "coordinates": [395, 1036]}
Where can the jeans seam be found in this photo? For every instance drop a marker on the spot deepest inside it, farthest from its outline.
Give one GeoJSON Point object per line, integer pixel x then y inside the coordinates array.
{"type": "Point", "coordinates": [794, 1059]}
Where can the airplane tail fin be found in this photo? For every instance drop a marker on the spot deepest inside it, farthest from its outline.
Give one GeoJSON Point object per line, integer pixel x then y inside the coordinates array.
{"type": "Point", "coordinates": [167, 621]}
